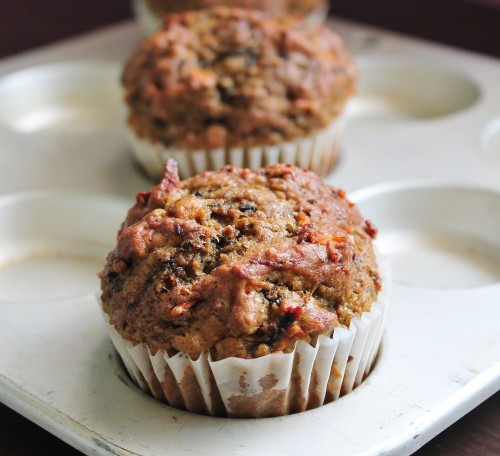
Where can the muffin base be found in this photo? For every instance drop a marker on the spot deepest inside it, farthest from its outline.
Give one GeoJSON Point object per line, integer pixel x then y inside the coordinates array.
{"type": "Point", "coordinates": [273, 385]}
{"type": "Point", "coordinates": [318, 152]}
{"type": "Point", "coordinates": [151, 22]}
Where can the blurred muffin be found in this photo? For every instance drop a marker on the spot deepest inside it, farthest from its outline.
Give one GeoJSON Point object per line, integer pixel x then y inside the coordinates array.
{"type": "Point", "coordinates": [233, 86]}
{"type": "Point", "coordinates": [236, 292]}
{"type": "Point", "coordinates": [150, 13]}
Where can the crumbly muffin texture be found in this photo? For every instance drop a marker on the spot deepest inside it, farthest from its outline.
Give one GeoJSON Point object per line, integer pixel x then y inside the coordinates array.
{"type": "Point", "coordinates": [271, 6]}
{"type": "Point", "coordinates": [232, 77]}
{"type": "Point", "coordinates": [239, 263]}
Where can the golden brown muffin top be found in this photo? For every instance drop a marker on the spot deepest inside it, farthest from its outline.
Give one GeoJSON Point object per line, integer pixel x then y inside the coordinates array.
{"type": "Point", "coordinates": [230, 77]}
{"type": "Point", "coordinates": [239, 262]}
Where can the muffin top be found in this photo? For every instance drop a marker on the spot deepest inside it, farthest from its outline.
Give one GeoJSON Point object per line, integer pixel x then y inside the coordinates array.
{"type": "Point", "coordinates": [271, 6]}
{"type": "Point", "coordinates": [239, 262]}
{"type": "Point", "coordinates": [231, 77]}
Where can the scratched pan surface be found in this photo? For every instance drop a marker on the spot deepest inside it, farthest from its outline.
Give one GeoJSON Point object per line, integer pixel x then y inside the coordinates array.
{"type": "Point", "coordinates": [421, 157]}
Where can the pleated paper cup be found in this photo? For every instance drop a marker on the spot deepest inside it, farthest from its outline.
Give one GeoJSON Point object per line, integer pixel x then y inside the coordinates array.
{"type": "Point", "coordinates": [319, 14]}
{"type": "Point", "coordinates": [273, 385]}
{"type": "Point", "coordinates": [318, 153]}
{"type": "Point", "coordinates": [147, 19]}
{"type": "Point", "coordinates": [151, 22]}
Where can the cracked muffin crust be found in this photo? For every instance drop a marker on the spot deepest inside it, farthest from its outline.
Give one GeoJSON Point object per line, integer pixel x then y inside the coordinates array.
{"type": "Point", "coordinates": [239, 262]}
{"type": "Point", "coordinates": [230, 77]}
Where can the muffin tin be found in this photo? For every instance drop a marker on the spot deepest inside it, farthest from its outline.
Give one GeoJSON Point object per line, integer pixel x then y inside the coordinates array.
{"type": "Point", "coordinates": [441, 236]}
{"type": "Point", "coordinates": [421, 157]}
{"type": "Point", "coordinates": [397, 89]}
{"type": "Point", "coordinates": [52, 244]}
{"type": "Point", "coordinates": [65, 97]}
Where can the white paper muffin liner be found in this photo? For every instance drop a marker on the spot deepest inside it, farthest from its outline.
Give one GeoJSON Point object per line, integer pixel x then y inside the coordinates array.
{"type": "Point", "coordinates": [273, 385]}
{"type": "Point", "coordinates": [318, 152]}
{"type": "Point", "coordinates": [319, 14]}
{"type": "Point", "coordinates": [151, 22]}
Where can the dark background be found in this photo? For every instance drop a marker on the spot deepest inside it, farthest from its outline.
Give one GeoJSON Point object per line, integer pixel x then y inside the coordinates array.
{"type": "Point", "coordinates": [468, 24]}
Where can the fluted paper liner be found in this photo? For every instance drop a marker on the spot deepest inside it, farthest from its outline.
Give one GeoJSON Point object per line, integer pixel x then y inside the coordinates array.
{"type": "Point", "coordinates": [273, 385]}
{"type": "Point", "coordinates": [150, 22]}
{"type": "Point", "coordinates": [318, 152]}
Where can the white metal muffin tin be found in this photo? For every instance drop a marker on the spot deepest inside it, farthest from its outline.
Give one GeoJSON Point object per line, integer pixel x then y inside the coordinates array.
{"type": "Point", "coordinates": [421, 157]}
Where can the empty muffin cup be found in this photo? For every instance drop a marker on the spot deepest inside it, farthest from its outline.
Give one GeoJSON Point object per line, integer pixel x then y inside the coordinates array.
{"type": "Point", "coordinates": [437, 235]}
{"type": "Point", "coordinates": [398, 90]}
{"type": "Point", "coordinates": [52, 244]}
{"type": "Point", "coordinates": [61, 98]}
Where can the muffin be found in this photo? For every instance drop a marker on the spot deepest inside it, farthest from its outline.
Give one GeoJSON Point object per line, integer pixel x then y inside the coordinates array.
{"type": "Point", "coordinates": [245, 293]}
{"type": "Point", "coordinates": [233, 86]}
{"type": "Point", "coordinates": [150, 13]}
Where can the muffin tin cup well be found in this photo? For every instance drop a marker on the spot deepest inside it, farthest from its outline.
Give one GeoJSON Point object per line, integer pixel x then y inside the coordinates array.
{"type": "Point", "coordinates": [52, 244]}
{"type": "Point", "coordinates": [272, 385]}
{"type": "Point", "coordinates": [437, 235]}
{"type": "Point", "coordinates": [318, 152]}
{"type": "Point", "coordinates": [396, 89]}
{"type": "Point", "coordinates": [71, 97]}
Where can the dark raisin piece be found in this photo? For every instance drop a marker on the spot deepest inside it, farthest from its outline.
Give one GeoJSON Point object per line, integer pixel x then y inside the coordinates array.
{"type": "Point", "coordinates": [248, 207]}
